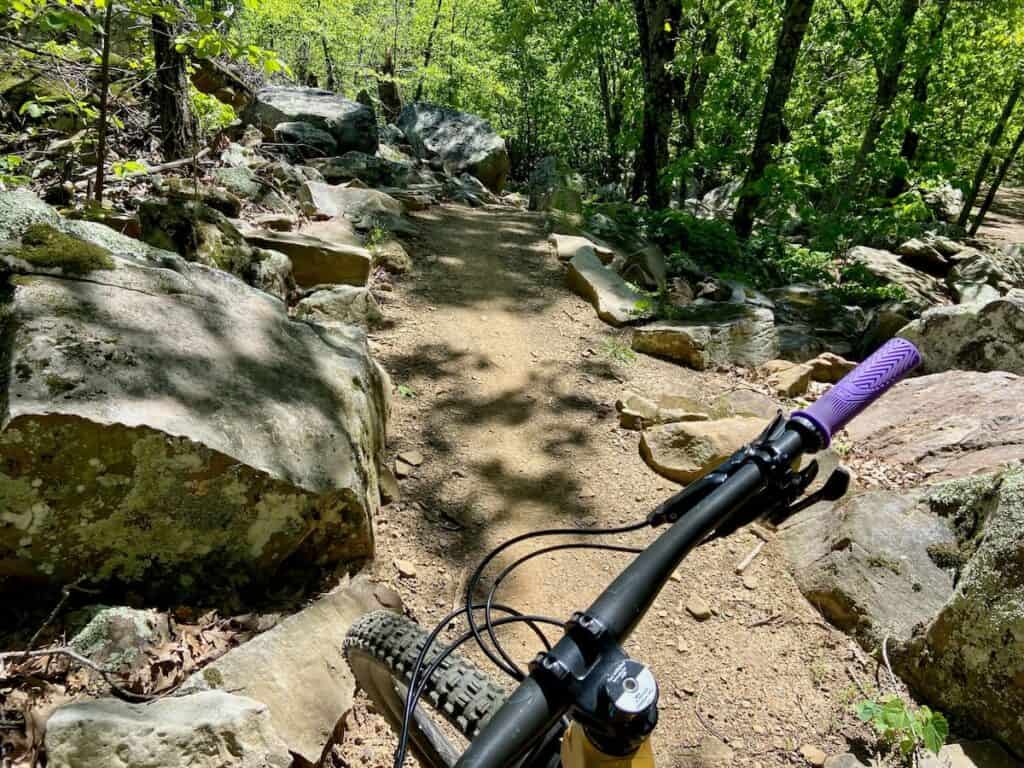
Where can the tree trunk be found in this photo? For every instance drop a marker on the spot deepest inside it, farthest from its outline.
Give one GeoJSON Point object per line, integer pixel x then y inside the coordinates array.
{"type": "Point", "coordinates": [986, 158]}
{"type": "Point", "coordinates": [1000, 175]}
{"type": "Point", "coordinates": [428, 52]}
{"type": "Point", "coordinates": [611, 104]}
{"type": "Point", "coordinates": [101, 128]}
{"type": "Point", "coordinates": [173, 107]}
{"type": "Point", "coordinates": [387, 90]}
{"type": "Point", "coordinates": [658, 27]}
{"type": "Point", "coordinates": [769, 131]}
{"type": "Point", "coordinates": [330, 81]}
{"type": "Point", "coordinates": [911, 138]}
{"type": "Point", "coordinates": [888, 81]}
{"type": "Point", "coordinates": [696, 86]}
{"type": "Point", "coordinates": [302, 62]}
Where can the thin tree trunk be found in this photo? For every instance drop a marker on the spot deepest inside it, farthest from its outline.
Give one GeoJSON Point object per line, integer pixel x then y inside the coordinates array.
{"type": "Point", "coordinates": [658, 27]}
{"type": "Point", "coordinates": [911, 137]}
{"type": "Point", "coordinates": [691, 97]}
{"type": "Point", "coordinates": [888, 81]}
{"type": "Point", "coordinates": [173, 107]}
{"type": "Point", "coordinates": [986, 158]}
{"type": "Point", "coordinates": [611, 105]}
{"type": "Point", "coordinates": [1000, 175]}
{"type": "Point", "coordinates": [769, 130]}
{"type": "Point", "coordinates": [387, 89]}
{"type": "Point", "coordinates": [697, 85]}
{"type": "Point", "coordinates": [302, 62]}
{"type": "Point", "coordinates": [101, 128]}
{"type": "Point", "coordinates": [428, 52]}
{"type": "Point", "coordinates": [330, 81]}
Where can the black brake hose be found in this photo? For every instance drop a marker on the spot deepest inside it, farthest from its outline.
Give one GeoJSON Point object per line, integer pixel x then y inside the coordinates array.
{"type": "Point", "coordinates": [489, 625]}
{"type": "Point", "coordinates": [421, 659]}
{"type": "Point", "coordinates": [474, 580]}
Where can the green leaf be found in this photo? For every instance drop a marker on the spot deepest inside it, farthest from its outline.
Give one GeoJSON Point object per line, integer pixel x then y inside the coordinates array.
{"type": "Point", "coordinates": [868, 711]}
{"type": "Point", "coordinates": [896, 716]}
{"type": "Point", "coordinates": [935, 731]}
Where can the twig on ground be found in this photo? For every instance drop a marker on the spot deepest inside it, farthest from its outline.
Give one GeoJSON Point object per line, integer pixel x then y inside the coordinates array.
{"type": "Point", "coordinates": [700, 717]}
{"type": "Point", "coordinates": [762, 622]}
{"type": "Point", "coordinates": [65, 596]}
{"type": "Point", "coordinates": [117, 690]}
{"type": "Point", "coordinates": [888, 666]}
{"type": "Point", "coordinates": [857, 682]}
{"type": "Point", "coordinates": [745, 563]}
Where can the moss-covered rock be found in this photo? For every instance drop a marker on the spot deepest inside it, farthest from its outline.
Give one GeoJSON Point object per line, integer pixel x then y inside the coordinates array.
{"type": "Point", "coordinates": [172, 432]}
{"type": "Point", "coordinates": [197, 232]}
{"type": "Point", "coordinates": [969, 659]}
{"type": "Point", "coordinates": [49, 250]}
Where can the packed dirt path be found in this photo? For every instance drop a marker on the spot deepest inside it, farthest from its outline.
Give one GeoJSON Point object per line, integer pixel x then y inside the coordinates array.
{"type": "Point", "coordinates": [506, 386]}
{"type": "Point", "coordinates": [1004, 223]}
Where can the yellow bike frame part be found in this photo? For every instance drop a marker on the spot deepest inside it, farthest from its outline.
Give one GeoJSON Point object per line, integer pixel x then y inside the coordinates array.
{"type": "Point", "coordinates": [579, 752]}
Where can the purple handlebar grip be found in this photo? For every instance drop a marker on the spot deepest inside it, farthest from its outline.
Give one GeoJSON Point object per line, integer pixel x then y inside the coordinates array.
{"type": "Point", "coordinates": [861, 387]}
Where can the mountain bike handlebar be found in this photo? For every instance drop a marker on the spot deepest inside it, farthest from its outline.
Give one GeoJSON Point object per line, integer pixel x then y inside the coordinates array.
{"type": "Point", "coordinates": [535, 707]}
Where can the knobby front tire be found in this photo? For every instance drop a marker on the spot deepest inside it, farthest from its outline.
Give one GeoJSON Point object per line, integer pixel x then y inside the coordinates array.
{"type": "Point", "coordinates": [382, 648]}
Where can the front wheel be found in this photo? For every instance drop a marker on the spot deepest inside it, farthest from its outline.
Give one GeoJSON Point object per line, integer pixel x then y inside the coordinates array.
{"type": "Point", "coordinates": [382, 648]}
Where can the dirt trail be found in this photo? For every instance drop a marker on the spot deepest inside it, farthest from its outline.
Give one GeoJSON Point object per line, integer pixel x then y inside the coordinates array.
{"type": "Point", "coordinates": [1004, 223]}
{"type": "Point", "coordinates": [513, 381]}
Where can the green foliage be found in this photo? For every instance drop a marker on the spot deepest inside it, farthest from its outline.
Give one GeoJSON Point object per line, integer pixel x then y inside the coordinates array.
{"type": "Point", "coordinates": [404, 390]}
{"type": "Point", "coordinates": [212, 114]}
{"type": "Point", "coordinates": [376, 236]}
{"type": "Point", "coordinates": [618, 351]}
{"type": "Point", "coordinates": [710, 243]}
{"type": "Point", "coordinates": [905, 727]}
{"type": "Point", "coordinates": [123, 168]}
{"type": "Point", "coordinates": [9, 166]}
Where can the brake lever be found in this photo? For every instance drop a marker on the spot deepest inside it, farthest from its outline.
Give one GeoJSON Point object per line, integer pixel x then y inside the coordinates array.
{"type": "Point", "coordinates": [835, 488]}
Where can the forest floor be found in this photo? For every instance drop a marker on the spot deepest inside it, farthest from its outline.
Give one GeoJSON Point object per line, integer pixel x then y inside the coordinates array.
{"type": "Point", "coordinates": [507, 387]}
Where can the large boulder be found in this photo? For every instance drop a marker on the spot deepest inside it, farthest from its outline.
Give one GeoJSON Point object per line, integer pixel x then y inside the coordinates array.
{"type": "Point", "coordinates": [938, 572]}
{"type": "Point", "coordinates": [981, 275]}
{"type": "Point", "coordinates": [353, 125]}
{"type": "Point", "coordinates": [371, 170]}
{"type": "Point", "coordinates": [217, 79]}
{"type": "Point", "coordinates": [971, 337]}
{"type": "Point", "coordinates": [305, 140]}
{"type": "Point", "coordinates": [945, 200]}
{"type": "Point", "coordinates": [458, 141]}
{"type": "Point", "coordinates": [969, 659]}
{"type": "Point", "coordinates": [315, 261]}
{"type": "Point", "coordinates": [365, 208]}
{"type": "Point", "coordinates": [170, 430]}
{"type": "Point", "coordinates": [705, 335]}
{"type": "Point", "coordinates": [865, 562]}
{"type": "Point", "coordinates": [615, 301]}
{"type": "Point", "coordinates": [554, 186]}
{"type": "Point", "coordinates": [204, 235]}
{"type": "Point", "coordinates": [921, 289]}
{"type": "Point", "coordinates": [946, 425]}
{"type": "Point", "coordinates": [211, 729]}
{"type": "Point", "coordinates": [810, 320]}
{"type": "Point", "coordinates": [720, 202]}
